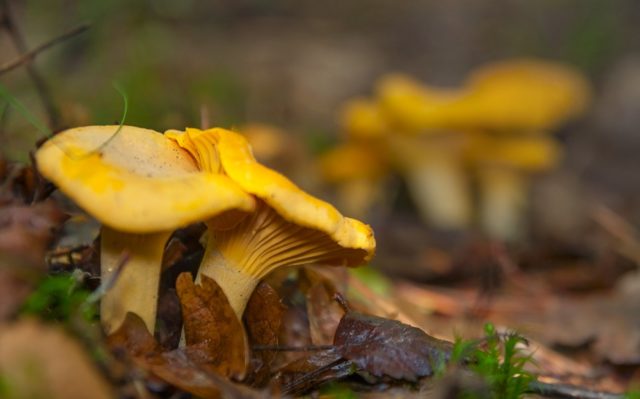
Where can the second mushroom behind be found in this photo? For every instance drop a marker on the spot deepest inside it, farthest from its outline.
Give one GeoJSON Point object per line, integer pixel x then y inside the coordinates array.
{"type": "Point", "coordinates": [288, 228]}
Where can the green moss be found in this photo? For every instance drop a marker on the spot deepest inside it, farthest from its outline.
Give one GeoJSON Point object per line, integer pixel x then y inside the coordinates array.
{"type": "Point", "coordinates": [499, 361]}
{"type": "Point", "coordinates": [60, 297]}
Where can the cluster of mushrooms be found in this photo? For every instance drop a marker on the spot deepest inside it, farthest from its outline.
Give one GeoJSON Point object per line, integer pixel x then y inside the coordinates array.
{"type": "Point", "coordinates": [143, 185]}
{"type": "Point", "coordinates": [490, 133]}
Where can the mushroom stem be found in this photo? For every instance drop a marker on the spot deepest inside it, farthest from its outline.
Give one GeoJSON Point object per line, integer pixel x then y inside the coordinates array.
{"type": "Point", "coordinates": [439, 188]}
{"type": "Point", "coordinates": [136, 287]}
{"type": "Point", "coordinates": [503, 193]}
{"type": "Point", "coordinates": [235, 284]}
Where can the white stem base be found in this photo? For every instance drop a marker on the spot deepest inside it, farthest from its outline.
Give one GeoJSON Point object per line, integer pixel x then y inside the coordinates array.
{"type": "Point", "coordinates": [503, 200]}
{"type": "Point", "coordinates": [440, 190]}
{"type": "Point", "coordinates": [136, 288]}
{"type": "Point", "coordinates": [237, 286]}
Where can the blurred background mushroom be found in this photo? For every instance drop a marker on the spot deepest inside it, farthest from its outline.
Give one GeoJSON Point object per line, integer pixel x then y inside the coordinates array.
{"type": "Point", "coordinates": [502, 166]}
{"type": "Point", "coordinates": [359, 167]}
{"type": "Point", "coordinates": [426, 151]}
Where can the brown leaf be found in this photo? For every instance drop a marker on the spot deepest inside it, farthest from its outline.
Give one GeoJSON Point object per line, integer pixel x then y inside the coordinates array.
{"type": "Point", "coordinates": [173, 252]}
{"type": "Point", "coordinates": [133, 337]}
{"type": "Point", "coordinates": [40, 361]}
{"type": "Point", "coordinates": [19, 183]}
{"type": "Point", "coordinates": [13, 292]}
{"type": "Point", "coordinates": [388, 347]}
{"type": "Point", "coordinates": [169, 318]}
{"type": "Point", "coordinates": [211, 324]}
{"type": "Point", "coordinates": [25, 231]}
{"type": "Point", "coordinates": [179, 369]}
{"type": "Point", "coordinates": [185, 368]}
{"type": "Point", "coordinates": [263, 318]}
{"type": "Point", "coordinates": [324, 313]}
{"type": "Point", "coordinates": [308, 372]}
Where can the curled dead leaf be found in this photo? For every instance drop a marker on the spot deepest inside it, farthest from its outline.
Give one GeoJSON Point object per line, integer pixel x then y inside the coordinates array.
{"type": "Point", "coordinates": [389, 347]}
{"type": "Point", "coordinates": [324, 313]}
{"type": "Point", "coordinates": [185, 368]}
{"type": "Point", "coordinates": [263, 318]}
{"type": "Point", "coordinates": [211, 324]}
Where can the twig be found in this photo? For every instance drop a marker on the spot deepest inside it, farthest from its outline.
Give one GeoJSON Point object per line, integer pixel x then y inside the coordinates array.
{"type": "Point", "coordinates": [31, 55]}
{"type": "Point", "coordinates": [277, 348]}
{"type": "Point", "coordinates": [109, 282]}
{"type": "Point", "coordinates": [7, 21]}
{"type": "Point", "coordinates": [563, 391]}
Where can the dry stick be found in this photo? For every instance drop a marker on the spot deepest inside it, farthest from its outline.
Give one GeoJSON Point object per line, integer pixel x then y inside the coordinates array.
{"type": "Point", "coordinates": [29, 56]}
{"type": "Point", "coordinates": [10, 26]}
{"type": "Point", "coordinates": [563, 391]}
{"type": "Point", "coordinates": [283, 348]}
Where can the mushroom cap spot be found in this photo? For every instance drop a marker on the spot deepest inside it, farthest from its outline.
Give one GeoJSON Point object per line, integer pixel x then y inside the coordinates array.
{"type": "Point", "coordinates": [282, 195]}
{"type": "Point", "coordinates": [139, 182]}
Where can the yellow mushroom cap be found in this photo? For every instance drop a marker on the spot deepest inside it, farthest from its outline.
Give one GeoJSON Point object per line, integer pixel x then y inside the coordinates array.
{"type": "Point", "coordinates": [531, 153]}
{"type": "Point", "coordinates": [363, 119]}
{"type": "Point", "coordinates": [523, 94]}
{"type": "Point", "coordinates": [268, 142]}
{"type": "Point", "coordinates": [279, 193]}
{"type": "Point", "coordinates": [353, 160]}
{"type": "Point", "coordinates": [137, 181]}
{"type": "Point", "coordinates": [414, 107]}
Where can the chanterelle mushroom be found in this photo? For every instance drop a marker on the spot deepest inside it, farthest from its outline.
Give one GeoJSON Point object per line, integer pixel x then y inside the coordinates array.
{"type": "Point", "coordinates": [358, 166]}
{"type": "Point", "coordinates": [426, 150]}
{"type": "Point", "coordinates": [141, 186]}
{"type": "Point", "coordinates": [504, 166]}
{"type": "Point", "coordinates": [288, 228]}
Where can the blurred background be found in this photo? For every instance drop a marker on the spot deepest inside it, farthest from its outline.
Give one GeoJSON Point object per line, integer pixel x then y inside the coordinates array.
{"type": "Point", "coordinates": [290, 66]}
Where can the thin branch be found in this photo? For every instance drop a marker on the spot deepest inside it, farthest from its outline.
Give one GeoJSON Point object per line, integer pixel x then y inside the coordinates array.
{"type": "Point", "coordinates": [31, 55]}
{"type": "Point", "coordinates": [20, 44]}
{"type": "Point", "coordinates": [278, 348]}
{"type": "Point", "coordinates": [563, 391]}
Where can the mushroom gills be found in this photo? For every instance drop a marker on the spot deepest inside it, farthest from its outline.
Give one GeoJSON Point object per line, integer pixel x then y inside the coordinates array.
{"type": "Point", "coordinates": [238, 258]}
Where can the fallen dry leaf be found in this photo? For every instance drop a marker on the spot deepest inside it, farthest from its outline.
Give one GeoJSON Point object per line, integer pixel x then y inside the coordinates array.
{"type": "Point", "coordinates": [388, 347]}
{"type": "Point", "coordinates": [169, 318]}
{"type": "Point", "coordinates": [185, 368]}
{"type": "Point", "coordinates": [30, 363]}
{"type": "Point", "coordinates": [212, 326]}
{"type": "Point", "coordinates": [13, 292]}
{"type": "Point", "coordinates": [133, 337]}
{"type": "Point", "coordinates": [25, 231]}
{"type": "Point", "coordinates": [19, 184]}
{"type": "Point", "coordinates": [308, 372]}
{"type": "Point", "coordinates": [179, 369]}
{"type": "Point", "coordinates": [324, 313]}
{"type": "Point", "coordinates": [263, 318]}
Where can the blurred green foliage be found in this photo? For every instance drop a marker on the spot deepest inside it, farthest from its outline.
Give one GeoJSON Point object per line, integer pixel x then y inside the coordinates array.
{"type": "Point", "coordinates": [176, 58]}
{"type": "Point", "coordinates": [60, 297]}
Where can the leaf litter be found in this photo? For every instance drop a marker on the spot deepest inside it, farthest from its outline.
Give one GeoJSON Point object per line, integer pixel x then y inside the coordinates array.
{"type": "Point", "coordinates": [293, 340]}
